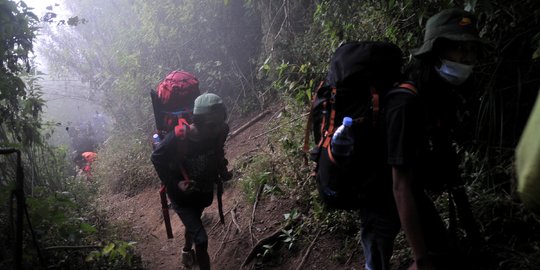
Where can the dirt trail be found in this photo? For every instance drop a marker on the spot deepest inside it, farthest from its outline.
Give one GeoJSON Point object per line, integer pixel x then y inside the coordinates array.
{"type": "Point", "coordinates": [229, 244]}
{"type": "Point", "coordinates": [142, 213]}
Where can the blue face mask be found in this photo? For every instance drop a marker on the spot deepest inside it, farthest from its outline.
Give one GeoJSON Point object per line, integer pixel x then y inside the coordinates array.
{"type": "Point", "coordinates": [453, 72]}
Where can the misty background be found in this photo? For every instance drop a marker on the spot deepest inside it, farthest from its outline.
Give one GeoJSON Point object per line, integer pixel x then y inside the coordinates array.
{"type": "Point", "coordinates": [86, 88]}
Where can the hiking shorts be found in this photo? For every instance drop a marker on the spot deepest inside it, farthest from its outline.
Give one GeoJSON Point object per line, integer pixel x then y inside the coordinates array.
{"type": "Point", "coordinates": [191, 218]}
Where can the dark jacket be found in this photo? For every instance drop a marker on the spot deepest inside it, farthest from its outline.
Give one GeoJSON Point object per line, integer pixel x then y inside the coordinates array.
{"type": "Point", "coordinates": [203, 163]}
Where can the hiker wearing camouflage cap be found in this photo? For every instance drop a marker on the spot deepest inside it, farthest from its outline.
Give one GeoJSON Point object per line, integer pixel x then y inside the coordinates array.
{"type": "Point", "coordinates": [209, 114]}
{"type": "Point", "coordinates": [419, 131]}
{"type": "Point", "coordinates": [190, 161]}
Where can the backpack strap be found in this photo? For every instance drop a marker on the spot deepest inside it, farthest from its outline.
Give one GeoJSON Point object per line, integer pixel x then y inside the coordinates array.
{"type": "Point", "coordinates": [405, 87]}
{"type": "Point", "coordinates": [409, 86]}
{"type": "Point", "coordinates": [375, 103]}
{"type": "Point", "coordinates": [310, 119]}
{"type": "Point", "coordinates": [323, 124]}
{"type": "Point", "coordinates": [331, 124]}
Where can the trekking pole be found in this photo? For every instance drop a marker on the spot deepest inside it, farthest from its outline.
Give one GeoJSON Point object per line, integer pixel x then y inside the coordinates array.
{"type": "Point", "coordinates": [220, 201]}
{"type": "Point", "coordinates": [157, 110]}
{"type": "Point", "coordinates": [165, 210]}
{"type": "Point", "coordinates": [18, 194]}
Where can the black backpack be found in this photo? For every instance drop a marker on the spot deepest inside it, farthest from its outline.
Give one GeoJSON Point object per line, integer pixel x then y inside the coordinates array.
{"type": "Point", "coordinates": [360, 75]}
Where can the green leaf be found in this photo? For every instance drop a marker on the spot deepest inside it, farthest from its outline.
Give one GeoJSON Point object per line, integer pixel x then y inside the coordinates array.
{"type": "Point", "coordinates": [122, 250]}
{"type": "Point", "coordinates": [92, 256]}
{"type": "Point", "coordinates": [303, 68]}
{"type": "Point", "coordinates": [536, 54]}
{"type": "Point", "coordinates": [308, 92]}
{"type": "Point", "coordinates": [292, 85]}
{"type": "Point", "coordinates": [87, 228]}
{"type": "Point", "coordinates": [108, 248]}
{"type": "Point", "coordinates": [113, 255]}
{"type": "Point", "coordinates": [132, 243]}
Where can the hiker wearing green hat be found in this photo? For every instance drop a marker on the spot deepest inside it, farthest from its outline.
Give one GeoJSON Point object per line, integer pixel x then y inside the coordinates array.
{"type": "Point", "coordinates": [189, 162]}
{"type": "Point", "coordinates": [419, 129]}
{"type": "Point", "coordinates": [451, 47]}
{"type": "Point", "coordinates": [209, 116]}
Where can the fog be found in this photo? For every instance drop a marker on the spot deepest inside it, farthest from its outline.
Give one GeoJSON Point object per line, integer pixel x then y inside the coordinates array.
{"type": "Point", "coordinates": [72, 115]}
{"type": "Point", "coordinates": [103, 57]}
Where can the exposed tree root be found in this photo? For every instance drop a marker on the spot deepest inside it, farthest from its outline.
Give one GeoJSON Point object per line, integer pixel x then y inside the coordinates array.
{"type": "Point", "coordinates": [306, 255]}
{"type": "Point", "coordinates": [275, 128]}
{"type": "Point", "coordinates": [233, 215]}
{"type": "Point", "coordinates": [259, 191]}
{"type": "Point", "coordinates": [223, 240]}
{"type": "Point", "coordinates": [248, 124]}
{"type": "Point", "coordinates": [73, 247]}
{"type": "Point", "coordinates": [218, 222]}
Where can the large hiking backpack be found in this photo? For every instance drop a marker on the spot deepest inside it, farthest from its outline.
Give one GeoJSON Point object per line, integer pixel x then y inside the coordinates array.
{"type": "Point", "coordinates": [360, 75]}
{"type": "Point", "coordinates": [173, 99]}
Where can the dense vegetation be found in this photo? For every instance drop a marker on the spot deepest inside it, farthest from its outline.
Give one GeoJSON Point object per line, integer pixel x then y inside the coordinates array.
{"type": "Point", "coordinates": [255, 54]}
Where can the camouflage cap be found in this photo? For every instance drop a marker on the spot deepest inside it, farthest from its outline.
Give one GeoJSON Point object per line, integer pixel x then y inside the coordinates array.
{"type": "Point", "coordinates": [205, 103]}
{"type": "Point", "coordinates": [453, 24]}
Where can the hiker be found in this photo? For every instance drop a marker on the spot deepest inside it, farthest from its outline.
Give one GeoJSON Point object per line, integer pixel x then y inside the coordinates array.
{"type": "Point", "coordinates": [528, 161]}
{"type": "Point", "coordinates": [419, 135]}
{"type": "Point", "coordinates": [189, 161]}
{"type": "Point", "coordinates": [89, 158]}
{"type": "Point", "coordinates": [351, 171]}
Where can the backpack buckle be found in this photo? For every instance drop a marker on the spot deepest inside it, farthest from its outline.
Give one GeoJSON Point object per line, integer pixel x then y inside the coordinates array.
{"type": "Point", "coordinates": [333, 95]}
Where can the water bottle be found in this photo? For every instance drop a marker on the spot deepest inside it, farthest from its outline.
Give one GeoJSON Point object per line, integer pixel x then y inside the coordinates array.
{"type": "Point", "coordinates": [343, 142]}
{"type": "Point", "coordinates": [155, 141]}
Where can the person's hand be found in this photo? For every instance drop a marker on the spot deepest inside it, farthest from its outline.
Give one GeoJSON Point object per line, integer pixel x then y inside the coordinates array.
{"type": "Point", "coordinates": [193, 130]}
{"type": "Point", "coordinates": [184, 185]}
{"type": "Point", "coordinates": [226, 175]}
{"type": "Point", "coordinates": [181, 130]}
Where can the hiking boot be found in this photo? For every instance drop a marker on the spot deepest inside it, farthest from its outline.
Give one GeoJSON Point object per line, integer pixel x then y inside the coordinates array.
{"type": "Point", "coordinates": [188, 258]}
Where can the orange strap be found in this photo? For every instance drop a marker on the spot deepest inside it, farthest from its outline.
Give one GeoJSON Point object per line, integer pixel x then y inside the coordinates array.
{"type": "Point", "coordinates": [328, 134]}
{"type": "Point", "coordinates": [375, 103]}
{"type": "Point", "coordinates": [408, 86]}
{"type": "Point", "coordinates": [321, 131]}
{"type": "Point", "coordinates": [376, 98]}
{"type": "Point", "coordinates": [331, 156]}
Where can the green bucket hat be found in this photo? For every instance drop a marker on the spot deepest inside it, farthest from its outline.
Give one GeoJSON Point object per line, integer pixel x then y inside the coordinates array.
{"type": "Point", "coordinates": [205, 102]}
{"type": "Point", "coordinates": [210, 106]}
{"type": "Point", "coordinates": [453, 24]}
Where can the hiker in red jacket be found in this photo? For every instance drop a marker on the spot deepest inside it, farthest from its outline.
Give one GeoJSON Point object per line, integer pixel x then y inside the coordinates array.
{"type": "Point", "coordinates": [89, 158]}
{"type": "Point", "coordinates": [189, 162]}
